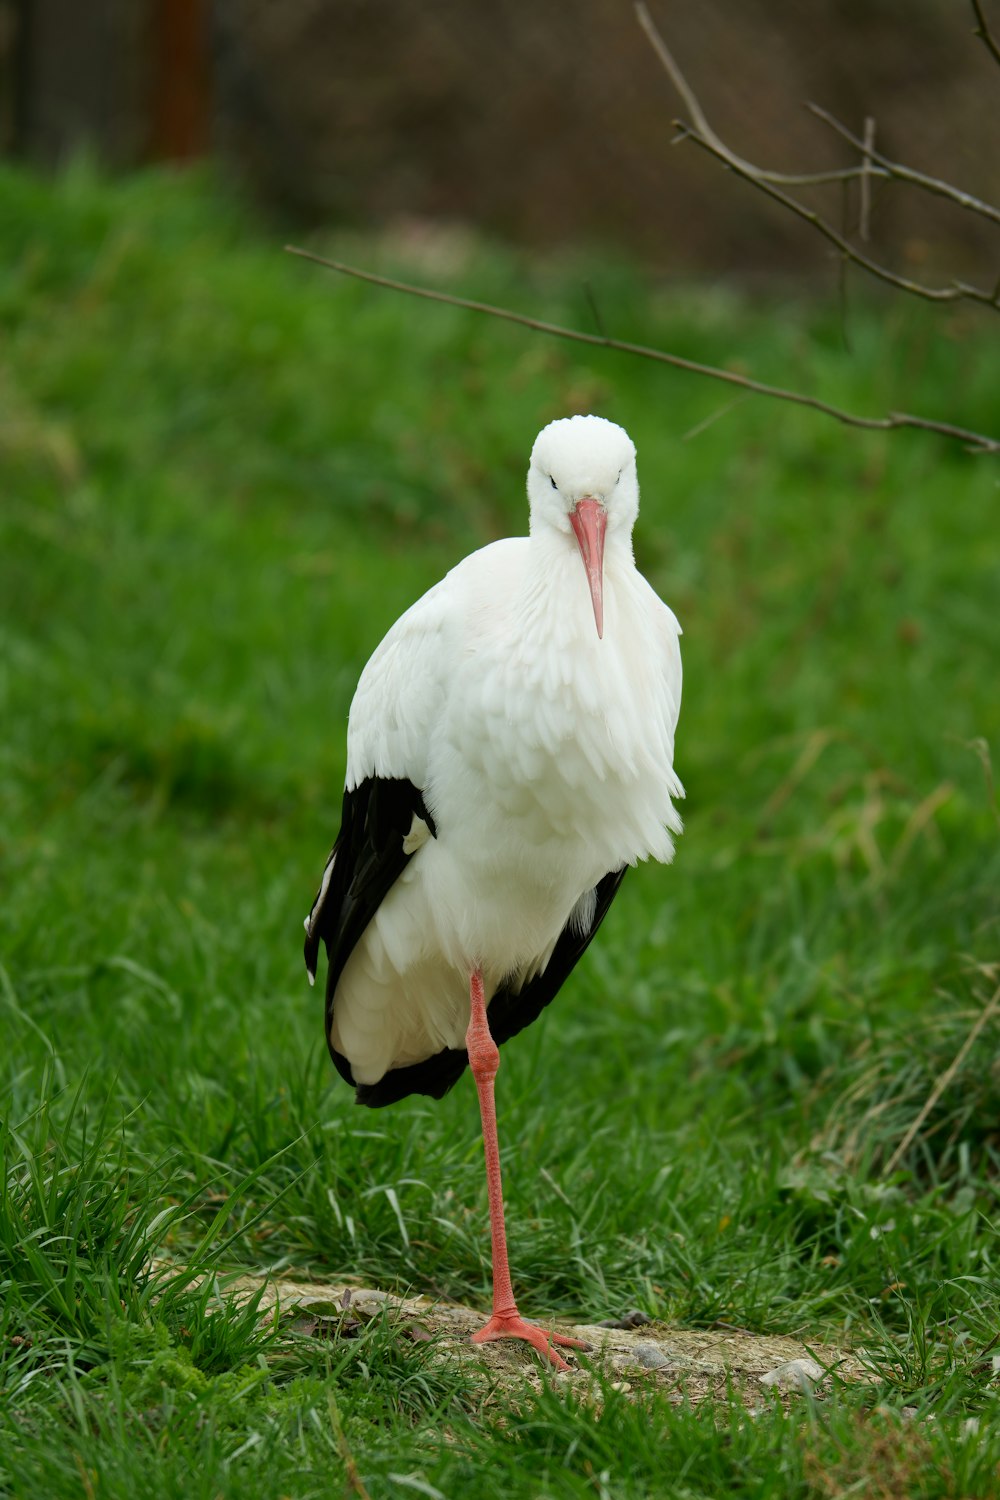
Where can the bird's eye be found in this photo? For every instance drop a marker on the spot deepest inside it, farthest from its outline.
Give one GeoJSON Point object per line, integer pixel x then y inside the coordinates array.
{"type": "Point", "coordinates": [553, 483]}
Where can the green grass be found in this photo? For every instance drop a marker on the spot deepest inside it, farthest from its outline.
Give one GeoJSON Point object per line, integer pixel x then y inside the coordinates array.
{"type": "Point", "coordinates": [222, 476]}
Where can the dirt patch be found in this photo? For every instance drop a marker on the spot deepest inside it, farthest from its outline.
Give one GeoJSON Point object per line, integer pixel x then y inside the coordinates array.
{"type": "Point", "coordinates": [685, 1364]}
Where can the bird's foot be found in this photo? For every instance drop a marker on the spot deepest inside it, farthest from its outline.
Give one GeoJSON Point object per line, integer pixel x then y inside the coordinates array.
{"type": "Point", "coordinates": [513, 1326]}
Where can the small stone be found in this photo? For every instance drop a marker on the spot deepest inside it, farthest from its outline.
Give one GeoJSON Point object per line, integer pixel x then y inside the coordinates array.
{"type": "Point", "coordinates": [650, 1356]}
{"type": "Point", "coordinates": [794, 1375]}
{"type": "Point", "coordinates": [633, 1319]}
{"type": "Point", "coordinates": [315, 1307]}
{"type": "Point", "coordinates": [324, 1326]}
{"type": "Point", "coordinates": [369, 1304]}
{"type": "Point", "coordinates": [417, 1333]}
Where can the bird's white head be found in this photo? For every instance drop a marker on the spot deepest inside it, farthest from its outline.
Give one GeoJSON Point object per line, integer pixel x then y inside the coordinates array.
{"type": "Point", "coordinates": [582, 481]}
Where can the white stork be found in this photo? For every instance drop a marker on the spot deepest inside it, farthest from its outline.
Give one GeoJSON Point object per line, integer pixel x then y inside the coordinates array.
{"type": "Point", "coordinates": [509, 754]}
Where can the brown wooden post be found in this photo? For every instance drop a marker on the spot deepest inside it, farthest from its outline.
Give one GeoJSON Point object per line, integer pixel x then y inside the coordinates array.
{"type": "Point", "coordinates": [180, 111]}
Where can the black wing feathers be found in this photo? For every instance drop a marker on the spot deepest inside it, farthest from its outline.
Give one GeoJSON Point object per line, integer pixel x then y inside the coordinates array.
{"type": "Point", "coordinates": [367, 859]}
{"type": "Point", "coordinates": [434, 1076]}
{"type": "Point", "coordinates": [510, 1013]}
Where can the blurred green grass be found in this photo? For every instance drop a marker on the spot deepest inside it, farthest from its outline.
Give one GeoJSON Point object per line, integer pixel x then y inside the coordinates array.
{"type": "Point", "coordinates": [222, 475]}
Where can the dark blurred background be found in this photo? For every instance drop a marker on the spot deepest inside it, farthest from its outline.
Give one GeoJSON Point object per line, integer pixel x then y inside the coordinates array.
{"type": "Point", "coordinates": [545, 122]}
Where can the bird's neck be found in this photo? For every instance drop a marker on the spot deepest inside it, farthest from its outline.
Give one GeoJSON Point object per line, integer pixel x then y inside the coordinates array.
{"type": "Point", "coordinates": [551, 547]}
{"type": "Point", "coordinates": [555, 603]}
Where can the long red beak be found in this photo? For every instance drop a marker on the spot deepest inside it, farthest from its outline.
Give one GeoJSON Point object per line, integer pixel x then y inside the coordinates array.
{"type": "Point", "coordinates": [589, 520]}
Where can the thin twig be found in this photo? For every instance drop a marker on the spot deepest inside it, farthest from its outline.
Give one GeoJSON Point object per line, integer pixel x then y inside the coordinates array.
{"type": "Point", "coordinates": [902, 173]}
{"type": "Point", "coordinates": [712, 418]}
{"type": "Point", "coordinates": [843, 296]}
{"type": "Point", "coordinates": [864, 228]}
{"type": "Point", "coordinates": [595, 310]}
{"type": "Point", "coordinates": [983, 32]}
{"type": "Point", "coordinates": [987, 1012]}
{"type": "Point", "coordinates": [702, 134]}
{"type": "Point", "coordinates": [702, 127]}
{"type": "Point", "coordinates": [956, 292]}
{"type": "Point", "coordinates": [977, 442]}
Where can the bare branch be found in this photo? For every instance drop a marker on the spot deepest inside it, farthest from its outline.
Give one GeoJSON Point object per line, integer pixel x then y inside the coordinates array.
{"type": "Point", "coordinates": [958, 291]}
{"type": "Point", "coordinates": [976, 442]}
{"type": "Point", "coordinates": [713, 417]}
{"type": "Point", "coordinates": [702, 134]}
{"type": "Point", "coordinates": [909, 174]}
{"type": "Point", "coordinates": [592, 300]}
{"type": "Point", "coordinates": [984, 33]}
{"type": "Point", "coordinates": [864, 227]}
{"type": "Point", "coordinates": [708, 135]}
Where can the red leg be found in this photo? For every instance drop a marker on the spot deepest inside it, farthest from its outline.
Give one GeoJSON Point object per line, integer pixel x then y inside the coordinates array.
{"type": "Point", "coordinates": [506, 1322]}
